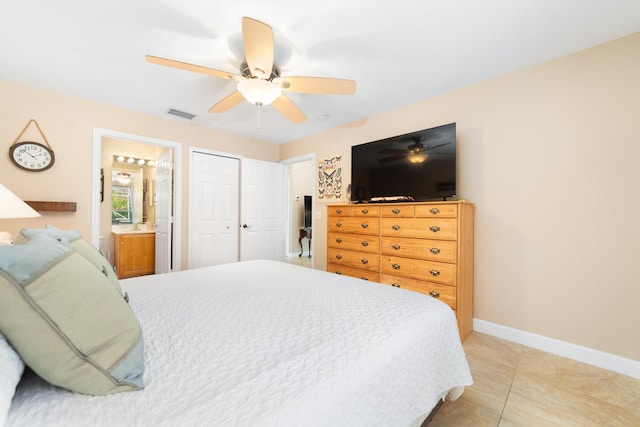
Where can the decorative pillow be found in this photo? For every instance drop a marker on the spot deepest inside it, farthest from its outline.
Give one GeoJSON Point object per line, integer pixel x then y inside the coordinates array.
{"type": "Point", "coordinates": [66, 320]}
{"type": "Point", "coordinates": [81, 246]}
{"type": "Point", "coordinates": [11, 368]}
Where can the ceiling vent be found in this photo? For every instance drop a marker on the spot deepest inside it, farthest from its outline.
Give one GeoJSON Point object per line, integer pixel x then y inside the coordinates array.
{"type": "Point", "coordinates": [182, 114]}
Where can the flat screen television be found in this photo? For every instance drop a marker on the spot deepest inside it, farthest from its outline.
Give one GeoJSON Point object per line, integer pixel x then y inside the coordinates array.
{"type": "Point", "coordinates": [307, 211]}
{"type": "Point", "coordinates": [418, 166]}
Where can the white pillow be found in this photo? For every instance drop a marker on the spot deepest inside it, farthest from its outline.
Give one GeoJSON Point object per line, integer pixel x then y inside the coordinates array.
{"type": "Point", "coordinates": [11, 367]}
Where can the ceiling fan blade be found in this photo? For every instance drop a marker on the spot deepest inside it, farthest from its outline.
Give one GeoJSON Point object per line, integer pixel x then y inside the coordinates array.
{"type": "Point", "coordinates": [391, 159]}
{"type": "Point", "coordinates": [228, 102]}
{"type": "Point", "coordinates": [191, 67]}
{"type": "Point", "coordinates": [428, 147]}
{"type": "Point", "coordinates": [396, 151]}
{"type": "Point", "coordinates": [287, 108]}
{"type": "Point", "coordinates": [258, 47]}
{"type": "Point", "coordinates": [323, 85]}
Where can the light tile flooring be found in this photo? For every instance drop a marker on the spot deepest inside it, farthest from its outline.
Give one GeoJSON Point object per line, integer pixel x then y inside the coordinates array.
{"type": "Point", "coordinates": [516, 385]}
{"type": "Point", "coordinates": [304, 260]}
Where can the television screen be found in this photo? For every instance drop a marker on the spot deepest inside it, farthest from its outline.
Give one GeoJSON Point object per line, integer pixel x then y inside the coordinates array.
{"type": "Point", "coordinates": [307, 211]}
{"type": "Point", "coordinates": [417, 166]}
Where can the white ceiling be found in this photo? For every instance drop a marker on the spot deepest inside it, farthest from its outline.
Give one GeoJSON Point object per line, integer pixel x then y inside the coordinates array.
{"type": "Point", "coordinates": [398, 51]}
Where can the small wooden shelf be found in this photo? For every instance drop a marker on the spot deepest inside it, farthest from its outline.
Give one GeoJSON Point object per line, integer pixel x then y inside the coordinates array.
{"type": "Point", "coordinates": [52, 206]}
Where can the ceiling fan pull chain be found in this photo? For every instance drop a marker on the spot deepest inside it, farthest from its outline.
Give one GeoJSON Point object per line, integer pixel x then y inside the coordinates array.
{"type": "Point", "coordinates": [259, 125]}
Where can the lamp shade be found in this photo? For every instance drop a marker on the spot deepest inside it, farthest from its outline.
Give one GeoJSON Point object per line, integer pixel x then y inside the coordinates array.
{"type": "Point", "coordinates": [258, 91]}
{"type": "Point", "coordinates": [11, 206]}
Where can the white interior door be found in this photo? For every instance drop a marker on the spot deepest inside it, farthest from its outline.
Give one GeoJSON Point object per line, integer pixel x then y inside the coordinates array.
{"type": "Point", "coordinates": [214, 212]}
{"type": "Point", "coordinates": [164, 211]}
{"type": "Point", "coordinates": [262, 210]}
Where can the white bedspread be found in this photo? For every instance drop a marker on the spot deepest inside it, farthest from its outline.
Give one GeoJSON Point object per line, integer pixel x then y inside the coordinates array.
{"type": "Point", "coordinates": [263, 343]}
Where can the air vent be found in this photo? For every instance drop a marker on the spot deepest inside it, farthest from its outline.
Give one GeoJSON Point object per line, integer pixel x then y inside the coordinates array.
{"type": "Point", "coordinates": [182, 114]}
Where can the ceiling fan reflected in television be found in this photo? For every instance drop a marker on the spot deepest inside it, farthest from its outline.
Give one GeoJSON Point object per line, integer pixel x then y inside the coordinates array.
{"type": "Point", "coordinates": [417, 152]}
{"type": "Point", "coordinates": [259, 80]}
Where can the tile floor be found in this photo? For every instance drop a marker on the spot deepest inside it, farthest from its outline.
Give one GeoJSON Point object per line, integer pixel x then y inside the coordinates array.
{"type": "Point", "coordinates": [516, 385]}
{"type": "Point", "coordinates": [304, 260]}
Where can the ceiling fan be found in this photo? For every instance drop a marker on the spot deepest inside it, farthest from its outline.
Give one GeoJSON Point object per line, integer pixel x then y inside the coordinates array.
{"type": "Point", "coordinates": [417, 152]}
{"type": "Point", "coordinates": [259, 80]}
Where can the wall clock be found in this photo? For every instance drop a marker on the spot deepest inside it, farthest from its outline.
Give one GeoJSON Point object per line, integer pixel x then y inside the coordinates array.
{"type": "Point", "coordinates": [29, 155]}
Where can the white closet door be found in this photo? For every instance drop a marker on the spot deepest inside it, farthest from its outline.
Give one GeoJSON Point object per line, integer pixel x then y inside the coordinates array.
{"type": "Point", "coordinates": [214, 215]}
{"type": "Point", "coordinates": [262, 212]}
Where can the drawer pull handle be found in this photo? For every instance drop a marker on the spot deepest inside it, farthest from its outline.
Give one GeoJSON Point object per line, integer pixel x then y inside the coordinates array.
{"type": "Point", "coordinates": [338, 256]}
{"type": "Point", "coordinates": [365, 243]}
{"type": "Point", "coordinates": [338, 240]}
{"type": "Point", "coordinates": [434, 273]}
{"type": "Point", "coordinates": [364, 225]}
{"type": "Point", "coordinates": [364, 278]}
{"type": "Point", "coordinates": [395, 211]}
{"type": "Point", "coordinates": [395, 246]}
{"type": "Point", "coordinates": [396, 227]}
{"type": "Point", "coordinates": [395, 266]}
{"type": "Point", "coordinates": [365, 211]}
{"type": "Point", "coordinates": [434, 228]}
{"type": "Point", "coordinates": [395, 285]}
{"type": "Point", "coordinates": [434, 294]}
{"type": "Point", "coordinates": [338, 224]}
{"type": "Point", "coordinates": [434, 211]}
{"type": "Point", "coordinates": [339, 211]}
{"type": "Point", "coordinates": [434, 251]}
{"type": "Point", "coordinates": [364, 261]}
{"type": "Point", "coordinates": [338, 272]}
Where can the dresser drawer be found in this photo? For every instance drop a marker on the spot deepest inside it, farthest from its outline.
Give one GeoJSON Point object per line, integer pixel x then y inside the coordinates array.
{"type": "Point", "coordinates": [433, 250]}
{"type": "Point", "coordinates": [372, 276]}
{"type": "Point", "coordinates": [354, 225]}
{"type": "Point", "coordinates": [354, 242]}
{"type": "Point", "coordinates": [397, 211]}
{"type": "Point", "coordinates": [446, 294]}
{"type": "Point", "coordinates": [441, 211]}
{"type": "Point", "coordinates": [366, 210]}
{"type": "Point", "coordinates": [419, 269]}
{"type": "Point", "coordinates": [422, 228]}
{"type": "Point", "coordinates": [364, 260]}
{"type": "Point", "coordinates": [339, 210]}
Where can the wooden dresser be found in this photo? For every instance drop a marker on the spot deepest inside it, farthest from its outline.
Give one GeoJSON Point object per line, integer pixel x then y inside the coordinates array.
{"type": "Point", "coordinates": [423, 247]}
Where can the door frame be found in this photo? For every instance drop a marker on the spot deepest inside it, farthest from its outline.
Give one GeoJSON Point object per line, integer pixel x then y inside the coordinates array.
{"type": "Point", "coordinates": [287, 194]}
{"type": "Point", "coordinates": [98, 134]}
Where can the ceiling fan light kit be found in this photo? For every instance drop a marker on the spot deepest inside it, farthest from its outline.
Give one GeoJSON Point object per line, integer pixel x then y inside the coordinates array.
{"type": "Point", "coordinates": [258, 91]}
{"type": "Point", "coordinates": [255, 83]}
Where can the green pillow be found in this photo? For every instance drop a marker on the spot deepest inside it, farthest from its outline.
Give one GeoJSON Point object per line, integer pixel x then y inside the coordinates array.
{"type": "Point", "coordinates": [66, 320]}
{"type": "Point", "coordinates": [83, 247]}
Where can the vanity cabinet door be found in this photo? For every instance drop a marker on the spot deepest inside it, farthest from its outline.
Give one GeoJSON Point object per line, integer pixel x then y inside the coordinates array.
{"type": "Point", "coordinates": [135, 254]}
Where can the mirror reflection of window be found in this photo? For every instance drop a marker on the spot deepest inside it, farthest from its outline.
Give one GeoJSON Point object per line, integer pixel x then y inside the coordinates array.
{"type": "Point", "coordinates": [121, 205]}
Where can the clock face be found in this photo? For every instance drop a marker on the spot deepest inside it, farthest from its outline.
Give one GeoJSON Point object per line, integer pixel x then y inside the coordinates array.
{"type": "Point", "coordinates": [31, 156]}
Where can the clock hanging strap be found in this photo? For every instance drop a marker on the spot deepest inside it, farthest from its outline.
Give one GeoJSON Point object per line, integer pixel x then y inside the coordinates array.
{"type": "Point", "coordinates": [39, 130]}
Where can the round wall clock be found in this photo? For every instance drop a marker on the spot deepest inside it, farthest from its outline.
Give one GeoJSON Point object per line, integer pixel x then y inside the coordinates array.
{"type": "Point", "coordinates": [31, 156]}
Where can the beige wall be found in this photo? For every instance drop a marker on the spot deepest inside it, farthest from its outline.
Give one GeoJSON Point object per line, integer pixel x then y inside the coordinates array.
{"type": "Point", "coordinates": [550, 156]}
{"type": "Point", "coordinates": [68, 124]}
{"type": "Point", "coordinates": [300, 185]}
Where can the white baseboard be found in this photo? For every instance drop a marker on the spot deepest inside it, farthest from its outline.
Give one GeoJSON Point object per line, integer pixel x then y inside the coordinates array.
{"type": "Point", "coordinates": [587, 355]}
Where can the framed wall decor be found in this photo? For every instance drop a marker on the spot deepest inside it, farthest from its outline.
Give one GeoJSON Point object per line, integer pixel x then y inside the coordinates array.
{"type": "Point", "coordinates": [330, 179]}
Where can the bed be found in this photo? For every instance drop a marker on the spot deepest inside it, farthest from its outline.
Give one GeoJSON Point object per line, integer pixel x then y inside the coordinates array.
{"type": "Point", "coordinates": [266, 343]}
